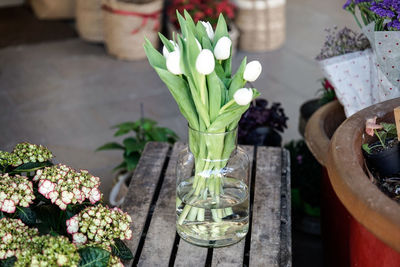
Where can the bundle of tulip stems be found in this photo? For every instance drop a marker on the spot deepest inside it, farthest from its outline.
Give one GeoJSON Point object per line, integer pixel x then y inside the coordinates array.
{"type": "Point", "coordinates": [196, 67]}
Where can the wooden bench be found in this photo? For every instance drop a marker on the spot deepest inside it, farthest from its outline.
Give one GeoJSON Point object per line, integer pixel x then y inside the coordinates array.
{"type": "Point", "coordinates": [151, 203]}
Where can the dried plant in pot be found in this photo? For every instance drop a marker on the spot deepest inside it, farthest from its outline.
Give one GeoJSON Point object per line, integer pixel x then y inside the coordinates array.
{"type": "Point", "coordinates": [262, 125]}
{"type": "Point", "coordinates": [382, 155]}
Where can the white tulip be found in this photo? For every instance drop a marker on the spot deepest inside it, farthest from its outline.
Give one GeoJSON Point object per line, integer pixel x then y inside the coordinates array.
{"type": "Point", "coordinates": [243, 96]}
{"type": "Point", "coordinates": [222, 49]}
{"type": "Point", "coordinates": [209, 29]}
{"type": "Point", "coordinates": [252, 71]}
{"type": "Point", "coordinates": [205, 62]}
{"type": "Point", "coordinates": [174, 62]}
{"type": "Point", "coordinates": [165, 50]}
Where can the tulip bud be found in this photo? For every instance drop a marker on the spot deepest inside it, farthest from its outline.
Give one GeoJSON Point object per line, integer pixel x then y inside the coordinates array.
{"type": "Point", "coordinates": [205, 62]}
{"type": "Point", "coordinates": [222, 49]}
{"type": "Point", "coordinates": [209, 29]}
{"type": "Point", "coordinates": [252, 71]}
{"type": "Point", "coordinates": [174, 63]}
{"type": "Point", "coordinates": [165, 50]}
{"type": "Point", "coordinates": [243, 96]}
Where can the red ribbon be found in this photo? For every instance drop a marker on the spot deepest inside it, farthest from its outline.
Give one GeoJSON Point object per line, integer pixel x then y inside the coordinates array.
{"type": "Point", "coordinates": [145, 17]}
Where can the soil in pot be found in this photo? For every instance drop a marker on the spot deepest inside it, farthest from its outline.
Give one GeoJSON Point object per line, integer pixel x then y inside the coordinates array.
{"type": "Point", "coordinates": [385, 161]}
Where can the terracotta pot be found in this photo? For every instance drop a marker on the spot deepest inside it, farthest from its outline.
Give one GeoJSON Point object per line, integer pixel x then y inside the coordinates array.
{"type": "Point", "coordinates": [307, 109]}
{"type": "Point", "coordinates": [334, 217]}
{"type": "Point", "coordinates": [379, 243]}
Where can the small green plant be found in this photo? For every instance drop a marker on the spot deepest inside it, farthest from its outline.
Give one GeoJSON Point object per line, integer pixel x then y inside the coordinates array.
{"type": "Point", "coordinates": [144, 130]}
{"type": "Point", "coordinates": [384, 132]}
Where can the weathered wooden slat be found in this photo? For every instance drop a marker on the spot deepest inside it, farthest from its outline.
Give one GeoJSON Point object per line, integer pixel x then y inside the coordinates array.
{"type": "Point", "coordinates": [265, 236]}
{"type": "Point", "coordinates": [190, 255]}
{"type": "Point", "coordinates": [161, 234]}
{"type": "Point", "coordinates": [233, 256]}
{"type": "Point", "coordinates": [286, 222]}
{"type": "Point", "coordinates": [142, 188]}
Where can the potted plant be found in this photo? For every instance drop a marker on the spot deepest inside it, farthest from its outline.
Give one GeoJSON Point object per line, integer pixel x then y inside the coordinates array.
{"type": "Point", "coordinates": [384, 154]}
{"type": "Point", "coordinates": [262, 125]}
{"type": "Point", "coordinates": [204, 10]}
{"type": "Point", "coordinates": [50, 9]}
{"type": "Point", "coordinates": [126, 23]}
{"type": "Point", "coordinates": [53, 215]}
{"type": "Point", "coordinates": [326, 95]}
{"type": "Point", "coordinates": [139, 133]}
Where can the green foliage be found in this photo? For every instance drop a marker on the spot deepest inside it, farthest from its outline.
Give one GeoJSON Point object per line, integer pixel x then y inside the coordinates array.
{"type": "Point", "coordinates": [9, 262]}
{"type": "Point", "coordinates": [93, 257]}
{"type": "Point", "coordinates": [27, 215]}
{"type": "Point", "coordinates": [388, 132]}
{"type": "Point", "coordinates": [30, 167]}
{"type": "Point", "coordinates": [144, 131]}
{"type": "Point", "coordinates": [120, 250]}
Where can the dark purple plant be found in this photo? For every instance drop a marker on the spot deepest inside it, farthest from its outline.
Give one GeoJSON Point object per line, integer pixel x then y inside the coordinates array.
{"type": "Point", "coordinates": [259, 115]}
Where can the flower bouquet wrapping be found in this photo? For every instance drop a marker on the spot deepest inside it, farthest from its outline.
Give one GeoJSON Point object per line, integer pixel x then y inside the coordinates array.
{"type": "Point", "coordinates": [380, 22]}
{"type": "Point", "coordinates": [196, 67]}
{"type": "Point", "coordinates": [345, 60]}
{"type": "Point", "coordinates": [51, 215]}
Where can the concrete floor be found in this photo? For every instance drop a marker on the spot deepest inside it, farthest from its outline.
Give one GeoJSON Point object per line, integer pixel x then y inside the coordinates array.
{"type": "Point", "coordinates": [67, 94]}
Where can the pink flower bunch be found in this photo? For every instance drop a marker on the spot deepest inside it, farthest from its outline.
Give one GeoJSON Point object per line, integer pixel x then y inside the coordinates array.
{"type": "Point", "coordinates": [99, 224]}
{"type": "Point", "coordinates": [15, 191]}
{"type": "Point", "coordinates": [14, 237]}
{"type": "Point", "coordinates": [27, 152]}
{"type": "Point", "coordinates": [64, 185]}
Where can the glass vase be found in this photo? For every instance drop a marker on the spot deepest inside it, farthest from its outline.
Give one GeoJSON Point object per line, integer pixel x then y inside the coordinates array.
{"type": "Point", "coordinates": [212, 194]}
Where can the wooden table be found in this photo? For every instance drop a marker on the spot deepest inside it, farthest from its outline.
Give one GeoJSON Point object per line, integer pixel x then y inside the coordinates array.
{"type": "Point", "coordinates": [151, 203]}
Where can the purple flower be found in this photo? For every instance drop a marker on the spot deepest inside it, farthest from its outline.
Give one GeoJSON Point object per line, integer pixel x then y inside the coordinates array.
{"type": "Point", "coordinates": [382, 10]}
{"type": "Point", "coordinates": [394, 24]}
{"type": "Point", "coordinates": [349, 2]}
{"type": "Point", "coordinates": [362, 1]}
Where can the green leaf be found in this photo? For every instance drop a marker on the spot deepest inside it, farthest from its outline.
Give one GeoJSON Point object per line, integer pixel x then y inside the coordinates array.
{"type": "Point", "coordinates": [156, 59]}
{"type": "Point", "coordinates": [124, 128]}
{"type": "Point", "coordinates": [366, 148]}
{"type": "Point", "coordinates": [170, 47]}
{"type": "Point", "coordinates": [221, 30]}
{"type": "Point", "coordinates": [110, 146]}
{"type": "Point", "coordinates": [237, 80]}
{"type": "Point", "coordinates": [49, 223]}
{"type": "Point", "coordinates": [215, 94]}
{"type": "Point", "coordinates": [9, 262]}
{"type": "Point", "coordinates": [93, 257]}
{"type": "Point", "coordinates": [26, 215]}
{"type": "Point", "coordinates": [133, 145]}
{"type": "Point", "coordinates": [31, 166]}
{"type": "Point", "coordinates": [120, 250]}
{"type": "Point", "coordinates": [180, 91]}
{"type": "Point", "coordinates": [131, 161]}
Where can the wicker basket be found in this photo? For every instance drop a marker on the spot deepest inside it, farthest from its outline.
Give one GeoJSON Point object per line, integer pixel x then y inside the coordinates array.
{"type": "Point", "coordinates": [53, 9]}
{"type": "Point", "coordinates": [127, 24]}
{"type": "Point", "coordinates": [89, 20]}
{"type": "Point", "coordinates": [262, 24]}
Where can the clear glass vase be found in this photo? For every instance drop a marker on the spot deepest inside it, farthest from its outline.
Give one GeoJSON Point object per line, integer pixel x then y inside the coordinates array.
{"type": "Point", "coordinates": [212, 194]}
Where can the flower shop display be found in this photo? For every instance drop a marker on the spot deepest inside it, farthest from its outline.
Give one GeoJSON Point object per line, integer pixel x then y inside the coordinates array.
{"type": "Point", "coordinates": [262, 125]}
{"type": "Point", "coordinates": [89, 20]}
{"type": "Point", "coordinates": [207, 11]}
{"type": "Point", "coordinates": [262, 24]}
{"type": "Point", "coordinates": [127, 23]}
{"type": "Point", "coordinates": [384, 154]}
{"type": "Point", "coordinates": [212, 174]}
{"type": "Point", "coordinates": [50, 9]}
{"type": "Point", "coordinates": [144, 130]}
{"type": "Point", "coordinates": [52, 215]}
{"type": "Point", "coordinates": [366, 76]}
